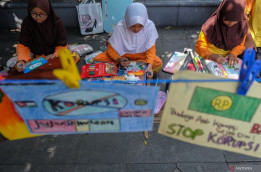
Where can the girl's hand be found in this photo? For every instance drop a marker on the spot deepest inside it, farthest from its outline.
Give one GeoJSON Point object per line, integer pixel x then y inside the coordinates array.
{"type": "Point", "coordinates": [124, 61]}
{"type": "Point", "coordinates": [50, 56]}
{"type": "Point", "coordinates": [149, 71]}
{"type": "Point", "coordinates": [20, 66]}
{"type": "Point", "coordinates": [216, 58]}
{"type": "Point", "coordinates": [231, 59]}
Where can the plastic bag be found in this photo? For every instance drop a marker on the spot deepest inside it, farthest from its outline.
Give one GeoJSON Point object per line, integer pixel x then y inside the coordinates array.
{"type": "Point", "coordinates": [89, 58]}
{"type": "Point", "coordinates": [90, 17]}
{"type": "Point", "coordinates": [11, 62]}
{"type": "Point", "coordinates": [81, 49]}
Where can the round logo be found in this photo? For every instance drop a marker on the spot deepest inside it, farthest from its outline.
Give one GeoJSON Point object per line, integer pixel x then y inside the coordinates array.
{"type": "Point", "coordinates": [222, 103]}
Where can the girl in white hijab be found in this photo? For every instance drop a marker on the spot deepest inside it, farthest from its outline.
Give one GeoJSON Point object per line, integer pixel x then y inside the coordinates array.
{"type": "Point", "coordinates": [133, 39]}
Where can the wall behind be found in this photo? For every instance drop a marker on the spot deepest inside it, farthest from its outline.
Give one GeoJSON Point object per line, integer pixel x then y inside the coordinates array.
{"type": "Point", "coordinates": [162, 12]}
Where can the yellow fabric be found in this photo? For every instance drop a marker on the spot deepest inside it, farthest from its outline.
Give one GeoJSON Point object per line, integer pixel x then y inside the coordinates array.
{"type": "Point", "coordinates": [76, 57]}
{"type": "Point", "coordinates": [69, 74]}
{"type": "Point", "coordinates": [214, 50]}
{"type": "Point", "coordinates": [255, 22]}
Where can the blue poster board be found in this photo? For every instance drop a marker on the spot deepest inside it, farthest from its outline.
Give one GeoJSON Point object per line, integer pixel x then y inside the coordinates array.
{"type": "Point", "coordinates": [113, 11]}
{"type": "Point", "coordinates": [49, 107]}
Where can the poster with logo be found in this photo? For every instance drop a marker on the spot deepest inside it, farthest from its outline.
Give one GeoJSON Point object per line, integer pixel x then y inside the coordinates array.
{"type": "Point", "coordinates": [49, 107]}
{"type": "Point", "coordinates": [206, 110]}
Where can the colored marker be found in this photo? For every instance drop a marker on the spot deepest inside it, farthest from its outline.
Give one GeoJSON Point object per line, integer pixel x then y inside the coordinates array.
{"type": "Point", "coordinates": [205, 65]}
{"type": "Point", "coordinates": [195, 64]}
{"type": "Point", "coordinates": [201, 65]}
{"type": "Point", "coordinates": [197, 60]}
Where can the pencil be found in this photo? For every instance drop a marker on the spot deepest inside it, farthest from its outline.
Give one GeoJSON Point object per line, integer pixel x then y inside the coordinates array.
{"type": "Point", "coordinates": [204, 64]}
{"type": "Point", "coordinates": [195, 64]}
{"type": "Point", "coordinates": [200, 67]}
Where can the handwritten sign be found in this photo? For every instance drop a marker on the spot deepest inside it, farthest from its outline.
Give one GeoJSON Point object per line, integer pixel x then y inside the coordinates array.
{"type": "Point", "coordinates": [49, 107]}
{"type": "Point", "coordinates": [211, 114]}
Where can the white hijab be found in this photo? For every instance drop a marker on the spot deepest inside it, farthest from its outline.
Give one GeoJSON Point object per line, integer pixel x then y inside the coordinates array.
{"type": "Point", "coordinates": [123, 40]}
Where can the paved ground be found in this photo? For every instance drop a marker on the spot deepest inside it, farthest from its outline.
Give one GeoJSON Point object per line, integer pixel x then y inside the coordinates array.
{"type": "Point", "coordinates": [117, 152]}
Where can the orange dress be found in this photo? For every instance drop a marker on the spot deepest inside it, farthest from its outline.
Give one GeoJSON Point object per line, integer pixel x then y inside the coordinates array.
{"type": "Point", "coordinates": [204, 48]}
{"type": "Point", "coordinates": [148, 57]}
{"type": "Point", "coordinates": [23, 52]}
{"type": "Point", "coordinates": [249, 5]}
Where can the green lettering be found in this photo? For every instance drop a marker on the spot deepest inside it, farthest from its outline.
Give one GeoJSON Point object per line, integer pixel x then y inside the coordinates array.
{"type": "Point", "coordinates": [171, 127]}
{"type": "Point", "coordinates": [184, 133]}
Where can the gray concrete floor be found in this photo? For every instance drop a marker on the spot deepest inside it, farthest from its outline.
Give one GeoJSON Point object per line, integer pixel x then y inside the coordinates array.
{"type": "Point", "coordinates": [115, 152]}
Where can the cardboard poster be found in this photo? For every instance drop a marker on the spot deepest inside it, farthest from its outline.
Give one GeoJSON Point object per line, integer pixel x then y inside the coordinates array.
{"type": "Point", "coordinates": [49, 107]}
{"type": "Point", "coordinates": [212, 114]}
